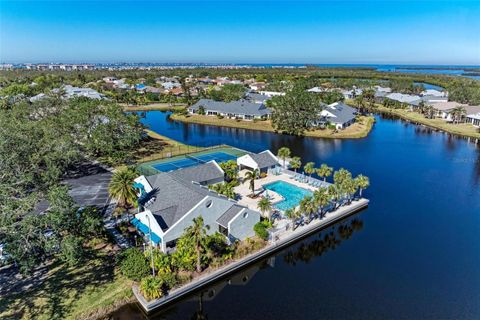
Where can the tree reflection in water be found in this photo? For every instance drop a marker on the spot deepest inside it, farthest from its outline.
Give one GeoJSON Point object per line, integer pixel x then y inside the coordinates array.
{"type": "Point", "coordinates": [329, 240]}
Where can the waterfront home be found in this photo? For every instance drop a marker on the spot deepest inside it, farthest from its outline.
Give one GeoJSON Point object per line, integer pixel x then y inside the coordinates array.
{"type": "Point", "coordinates": [240, 109]}
{"type": "Point", "coordinates": [258, 161]}
{"type": "Point", "coordinates": [406, 99]}
{"type": "Point", "coordinates": [168, 203]}
{"type": "Point", "coordinates": [381, 93]}
{"type": "Point", "coordinates": [474, 119]}
{"type": "Point", "coordinates": [429, 99]}
{"type": "Point", "coordinates": [444, 109]}
{"type": "Point", "coordinates": [338, 114]}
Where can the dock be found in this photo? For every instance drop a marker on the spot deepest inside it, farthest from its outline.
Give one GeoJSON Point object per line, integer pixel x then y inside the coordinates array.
{"type": "Point", "coordinates": [282, 241]}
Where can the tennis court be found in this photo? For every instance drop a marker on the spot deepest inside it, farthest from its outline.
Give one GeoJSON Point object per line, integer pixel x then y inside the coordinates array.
{"type": "Point", "coordinates": [193, 160]}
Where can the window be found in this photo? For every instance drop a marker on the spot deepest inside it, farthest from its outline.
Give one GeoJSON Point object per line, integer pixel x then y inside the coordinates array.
{"type": "Point", "coordinates": [245, 215]}
{"type": "Point", "coordinates": [209, 203]}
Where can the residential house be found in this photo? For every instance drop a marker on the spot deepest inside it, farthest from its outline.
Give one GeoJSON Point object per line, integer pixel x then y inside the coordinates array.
{"type": "Point", "coordinates": [407, 99]}
{"type": "Point", "coordinates": [168, 204]}
{"type": "Point", "coordinates": [109, 79]}
{"type": "Point", "coordinates": [205, 174]}
{"type": "Point", "coordinates": [429, 99]}
{"type": "Point", "coordinates": [433, 92]}
{"type": "Point", "coordinates": [316, 90]}
{"type": "Point", "coordinates": [257, 97]}
{"type": "Point", "coordinates": [472, 115]}
{"type": "Point", "coordinates": [257, 86]}
{"type": "Point", "coordinates": [72, 92]}
{"type": "Point", "coordinates": [272, 93]}
{"type": "Point", "coordinates": [262, 161]}
{"type": "Point", "coordinates": [241, 109]}
{"type": "Point", "coordinates": [474, 119]}
{"type": "Point", "coordinates": [339, 114]}
{"type": "Point", "coordinates": [443, 109]}
{"type": "Point", "coordinates": [351, 94]}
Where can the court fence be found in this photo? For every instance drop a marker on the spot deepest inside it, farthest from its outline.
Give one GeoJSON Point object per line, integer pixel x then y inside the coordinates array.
{"type": "Point", "coordinates": [172, 152]}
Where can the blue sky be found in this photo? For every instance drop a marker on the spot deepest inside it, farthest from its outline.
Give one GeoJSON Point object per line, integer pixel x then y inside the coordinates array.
{"type": "Point", "coordinates": [428, 32]}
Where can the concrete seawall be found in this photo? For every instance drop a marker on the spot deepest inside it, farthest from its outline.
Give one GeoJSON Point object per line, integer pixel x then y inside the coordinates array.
{"type": "Point", "coordinates": [283, 241]}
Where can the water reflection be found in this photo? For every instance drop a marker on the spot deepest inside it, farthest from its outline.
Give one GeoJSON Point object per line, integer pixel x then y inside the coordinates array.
{"type": "Point", "coordinates": [328, 240]}
{"type": "Point", "coordinates": [304, 251]}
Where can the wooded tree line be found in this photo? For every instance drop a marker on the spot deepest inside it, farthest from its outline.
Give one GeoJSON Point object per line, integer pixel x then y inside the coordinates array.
{"type": "Point", "coordinates": [464, 90]}
{"type": "Point", "coordinates": [39, 143]}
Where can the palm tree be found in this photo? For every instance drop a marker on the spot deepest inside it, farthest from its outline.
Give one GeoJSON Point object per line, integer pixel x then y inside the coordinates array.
{"type": "Point", "coordinates": [295, 163]}
{"type": "Point", "coordinates": [121, 187]}
{"type": "Point", "coordinates": [292, 215]}
{"type": "Point", "coordinates": [321, 198]}
{"type": "Point", "coordinates": [283, 153]}
{"type": "Point", "coordinates": [198, 233]}
{"type": "Point", "coordinates": [349, 187]}
{"type": "Point", "coordinates": [265, 206]}
{"type": "Point", "coordinates": [369, 95]}
{"type": "Point", "coordinates": [307, 207]}
{"type": "Point", "coordinates": [340, 176]}
{"type": "Point", "coordinates": [334, 194]}
{"type": "Point", "coordinates": [458, 113]}
{"type": "Point", "coordinates": [360, 103]}
{"type": "Point", "coordinates": [251, 176]}
{"type": "Point", "coordinates": [309, 168]}
{"type": "Point", "coordinates": [362, 183]}
{"type": "Point", "coordinates": [324, 171]}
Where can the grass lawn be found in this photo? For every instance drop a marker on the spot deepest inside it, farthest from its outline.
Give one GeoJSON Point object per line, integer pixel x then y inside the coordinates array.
{"type": "Point", "coordinates": [462, 129]}
{"type": "Point", "coordinates": [357, 130]}
{"type": "Point", "coordinates": [160, 106]}
{"type": "Point", "coordinates": [70, 293]}
{"type": "Point", "coordinates": [158, 146]}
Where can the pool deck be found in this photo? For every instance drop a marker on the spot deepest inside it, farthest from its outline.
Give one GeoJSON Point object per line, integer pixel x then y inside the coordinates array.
{"type": "Point", "coordinates": [243, 189]}
{"type": "Point", "coordinates": [283, 239]}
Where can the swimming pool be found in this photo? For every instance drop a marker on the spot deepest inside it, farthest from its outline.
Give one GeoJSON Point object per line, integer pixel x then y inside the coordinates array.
{"type": "Point", "coordinates": [291, 194]}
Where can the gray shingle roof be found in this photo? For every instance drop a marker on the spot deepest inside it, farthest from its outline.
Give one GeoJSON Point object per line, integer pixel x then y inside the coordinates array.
{"type": "Point", "coordinates": [264, 159]}
{"type": "Point", "coordinates": [342, 112]}
{"type": "Point", "coordinates": [200, 173]}
{"type": "Point", "coordinates": [257, 97]}
{"type": "Point", "coordinates": [173, 197]}
{"type": "Point", "coordinates": [225, 218]}
{"type": "Point", "coordinates": [239, 107]}
{"type": "Point", "coordinates": [404, 98]}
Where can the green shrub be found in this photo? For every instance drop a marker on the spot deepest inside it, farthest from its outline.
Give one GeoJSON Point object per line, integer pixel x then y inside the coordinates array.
{"type": "Point", "coordinates": [261, 230]}
{"type": "Point", "coordinates": [133, 264]}
{"type": "Point", "coordinates": [219, 116]}
{"type": "Point", "coordinates": [151, 287]}
{"type": "Point", "coordinates": [71, 250]}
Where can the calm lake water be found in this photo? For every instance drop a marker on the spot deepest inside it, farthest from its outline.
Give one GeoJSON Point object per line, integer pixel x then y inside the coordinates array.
{"type": "Point", "coordinates": [414, 253]}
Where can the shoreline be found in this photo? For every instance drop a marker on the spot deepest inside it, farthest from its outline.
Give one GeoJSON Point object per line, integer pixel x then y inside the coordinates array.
{"type": "Point", "coordinates": [158, 106]}
{"type": "Point", "coordinates": [362, 132]}
{"type": "Point", "coordinates": [271, 248]}
{"type": "Point", "coordinates": [462, 129]}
